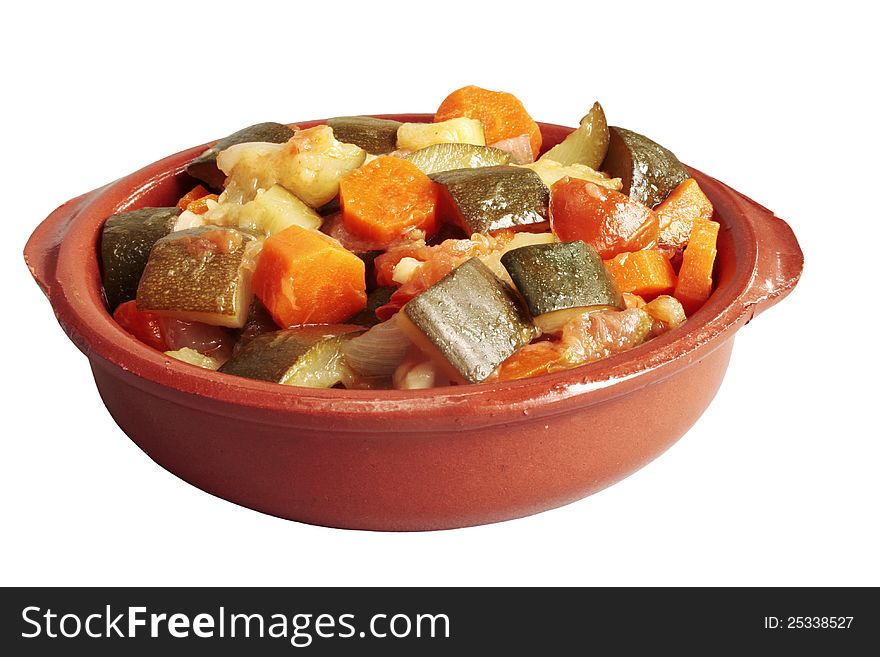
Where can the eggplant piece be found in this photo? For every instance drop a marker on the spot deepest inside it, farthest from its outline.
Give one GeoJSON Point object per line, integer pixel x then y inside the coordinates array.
{"type": "Point", "coordinates": [204, 167]}
{"type": "Point", "coordinates": [448, 156]}
{"type": "Point", "coordinates": [488, 199]}
{"type": "Point", "coordinates": [560, 280]}
{"type": "Point", "coordinates": [469, 322]}
{"type": "Point", "coordinates": [308, 356]}
{"type": "Point", "coordinates": [649, 171]}
{"type": "Point", "coordinates": [376, 136]}
{"type": "Point", "coordinates": [587, 145]}
{"type": "Point", "coordinates": [201, 275]}
{"type": "Point", "coordinates": [126, 241]}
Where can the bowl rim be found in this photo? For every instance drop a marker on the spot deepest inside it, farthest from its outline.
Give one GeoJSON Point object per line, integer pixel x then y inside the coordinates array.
{"type": "Point", "coordinates": [74, 291]}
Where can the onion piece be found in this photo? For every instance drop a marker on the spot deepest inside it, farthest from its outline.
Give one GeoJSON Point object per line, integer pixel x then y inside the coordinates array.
{"type": "Point", "coordinates": [378, 352]}
{"type": "Point", "coordinates": [519, 148]}
{"type": "Point", "coordinates": [214, 341]}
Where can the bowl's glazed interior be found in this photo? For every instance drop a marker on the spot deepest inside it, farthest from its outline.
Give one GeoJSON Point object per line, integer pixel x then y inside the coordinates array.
{"type": "Point", "coordinates": [407, 460]}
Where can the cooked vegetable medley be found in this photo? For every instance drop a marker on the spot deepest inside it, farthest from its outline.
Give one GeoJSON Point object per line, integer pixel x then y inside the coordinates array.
{"type": "Point", "coordinates": [369, 253]}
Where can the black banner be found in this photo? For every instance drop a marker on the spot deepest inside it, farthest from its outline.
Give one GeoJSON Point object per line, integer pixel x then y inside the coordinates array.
{"type": "Point", "coordinates": [417, 621]}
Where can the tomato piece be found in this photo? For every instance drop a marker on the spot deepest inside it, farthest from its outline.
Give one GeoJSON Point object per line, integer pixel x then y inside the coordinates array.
{"type": "Point", "coordinates": [143, 325]}
{"type": "Point", "coordinates": [609, 221]}
{"type": "Point", "coordinates": [437, 261]}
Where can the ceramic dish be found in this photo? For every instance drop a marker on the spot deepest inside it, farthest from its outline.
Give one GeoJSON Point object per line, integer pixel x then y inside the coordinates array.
{"type": "Point", "coordinates": [407, 460]}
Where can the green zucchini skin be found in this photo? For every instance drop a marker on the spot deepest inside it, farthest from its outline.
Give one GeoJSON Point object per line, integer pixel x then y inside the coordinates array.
{"type": "Point", "coordinates": [126, 241]}
{"type": "Point", "coordinates": [270, 356]}
{"type": "Point", "coordinates": [473, 320]}
{"type": "Point", "coordinates": [649, 171]}
{"type": "Point", "coordinates": [204, 167]}
{"type": "Point", "coordinates": [561, 275]}
{"type": "Point", "coordinates": [189, 277]}
{"type": "Point", "coordinates": [376, 136]}
{"type": "Point", "coordinates": [446, 157]}
{"type": "Point", "coordinates": [488, 199]}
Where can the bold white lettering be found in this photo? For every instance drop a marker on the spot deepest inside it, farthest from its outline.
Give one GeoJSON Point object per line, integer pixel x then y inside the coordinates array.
{"type": "Point", "coordinates": [178, 626]}
{"type": "Point", "coordinates": [134, 621]}
{"type": "Point", "coordinates": [203, 626]}
{"type": "Point", "coordinates": [154, 623]}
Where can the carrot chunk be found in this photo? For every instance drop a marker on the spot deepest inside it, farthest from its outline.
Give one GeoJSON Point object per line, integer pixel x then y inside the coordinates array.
{"type": "Point", "coordinates": [677, 213]}
{"type": "Point", "coordinates": [387, 198]}
{"type": "Point", "coordinates": [533, 360]}
{"type": "Point", "coordinates": [305, 277]}
{"type": "Point", "coordinates": [502, 114]}
{"type": "Point", "coordinates": [608, 221]}
{"type": "Point", "coordinates": [196, 192]}
{"type": "Point", "coordinates": [643, 273]}
{"type": "Point", "coordinates": [695, 277]}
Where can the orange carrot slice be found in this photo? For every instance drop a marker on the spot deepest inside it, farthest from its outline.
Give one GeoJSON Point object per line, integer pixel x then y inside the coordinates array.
{"type": "Point", "coordinates": [695, 277]}
{"type": "Point", "coordinates": [304, 277]}
{"type": "Point", "coordinates": [196, 192]}
{"type": "Point", "coordinates": [677, 213]}
{"type": "Point", "coordinates": [643, 273]}
{"type": "Point", "coordinates": [502, 114]}
{"type": "Point", "coordinates": [533, 360]}
{"type": "Point", "coordinates": [386, 198]}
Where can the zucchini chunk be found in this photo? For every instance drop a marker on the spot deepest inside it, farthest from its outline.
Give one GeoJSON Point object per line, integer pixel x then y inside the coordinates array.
{"type": "Point", "coordinates": [587, 145]}
{"type": "Point", "coordinates": [201, 275]}
{"type": "Point", "coordinates": [445, 157]}
{"type": "Point", "coordinates": [649, 171]}
{"type": "Point", "coordinates": [271, 211]}
{"type": "Point", "coordinates": [126, 241]}
{"type": "Point", "coordinates": [560, 280]}
{"type": "Point", "coordinates": [376, 136]}
{"type": "Point", "coordinates": [308, 356]}
{"type": "Point", "coordinates": [488, 199]}
{"type": "Point", "coordinates": [469, 322]}
{"type": "Point", "coordinates": [193, 357]}
{"type": "Point", "coordinates": [204, 167]}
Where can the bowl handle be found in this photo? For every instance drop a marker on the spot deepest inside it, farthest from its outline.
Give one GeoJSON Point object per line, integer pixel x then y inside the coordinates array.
{"type": "Point", "coordinates": [43, 246]}
{"type": "Point", "coordinates": [780, 260]}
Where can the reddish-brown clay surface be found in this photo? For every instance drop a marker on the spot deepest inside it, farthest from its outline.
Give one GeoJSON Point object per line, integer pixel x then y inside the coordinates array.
{"type": "Point", "coordinates": [407, 460]}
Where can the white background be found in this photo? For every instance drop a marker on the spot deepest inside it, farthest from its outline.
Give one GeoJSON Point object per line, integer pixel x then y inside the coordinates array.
{"type": "Point", "coordinates": [777, 483]}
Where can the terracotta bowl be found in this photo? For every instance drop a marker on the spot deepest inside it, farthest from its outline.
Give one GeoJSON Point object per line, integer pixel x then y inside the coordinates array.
{"type": "Point", "coordinates": [407, 460]}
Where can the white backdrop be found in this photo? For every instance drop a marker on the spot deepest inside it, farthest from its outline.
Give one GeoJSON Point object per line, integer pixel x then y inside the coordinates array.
{"type": "Point", "coordinates": [775, 485]}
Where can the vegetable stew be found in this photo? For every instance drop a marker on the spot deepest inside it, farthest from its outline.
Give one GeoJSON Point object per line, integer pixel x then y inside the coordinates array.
{"type": "Point", "coordinates": [367, 253]}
